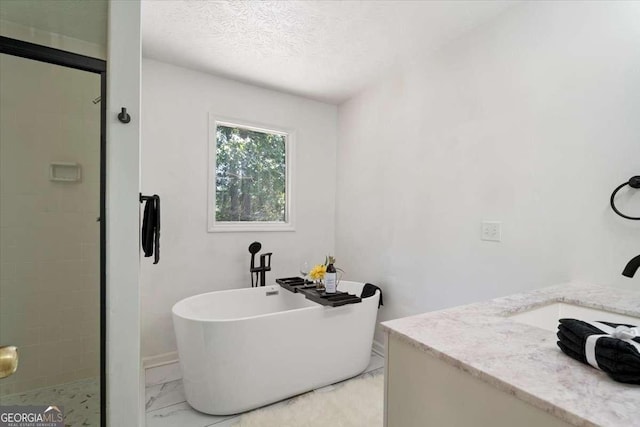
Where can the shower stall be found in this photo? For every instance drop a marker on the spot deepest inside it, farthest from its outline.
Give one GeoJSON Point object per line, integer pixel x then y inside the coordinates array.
{"type": "Point", "coordinates": [52, 234]}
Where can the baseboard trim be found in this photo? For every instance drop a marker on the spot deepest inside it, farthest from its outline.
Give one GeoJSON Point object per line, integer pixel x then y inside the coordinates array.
{"type": "Point", "coordinates": [378, 348]}
{"type": "Point", "coordinates": [142, 396]}
{"type": "Point", "coordinates": [164, 367]}
{"type": "Point", "coordinates": [172, 357]}
{"type": "Point", "coordinates": [160, 360]}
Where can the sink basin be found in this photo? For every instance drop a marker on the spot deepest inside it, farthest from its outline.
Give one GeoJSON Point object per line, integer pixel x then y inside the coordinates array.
{"type": "Point", "coordinates": [547, 316]}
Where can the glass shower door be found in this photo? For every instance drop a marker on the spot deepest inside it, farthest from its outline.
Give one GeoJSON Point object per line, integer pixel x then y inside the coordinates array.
{"type": "Point", "coordinates": [50, 238]}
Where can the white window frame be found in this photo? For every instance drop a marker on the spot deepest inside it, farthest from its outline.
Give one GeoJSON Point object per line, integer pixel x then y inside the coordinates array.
{"type": "Point", "coordinates": [243, 226]}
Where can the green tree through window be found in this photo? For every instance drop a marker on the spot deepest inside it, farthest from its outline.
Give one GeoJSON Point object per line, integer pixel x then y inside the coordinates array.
{"type": "Point", "coordinates": [250, 175]}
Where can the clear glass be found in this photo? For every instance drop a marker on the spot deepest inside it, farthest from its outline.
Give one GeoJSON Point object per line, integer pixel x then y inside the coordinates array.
{"type": "Point", "coordinates": [304, 269]}
{"type": "Point", "coordinates": [251, 175]}
{"type": "Point", "coordinates": [50, 239]}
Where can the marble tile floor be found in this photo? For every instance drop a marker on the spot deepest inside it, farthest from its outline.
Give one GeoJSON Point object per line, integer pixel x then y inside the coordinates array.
{"type": "Point", "coordinates": [166, 405]}
{"type": "Point", "coordinates": [80, 401]}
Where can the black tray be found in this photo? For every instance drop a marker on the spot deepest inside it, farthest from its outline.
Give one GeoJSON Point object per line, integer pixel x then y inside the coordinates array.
{"type": "Point", "coordinates": [331, 300]}
{"type": "Point", "coordinates": [291, 281]}
{"type": "Point", "coordinates": [294, 283]}
{"type": "Point", "coordinates": [308, 289]}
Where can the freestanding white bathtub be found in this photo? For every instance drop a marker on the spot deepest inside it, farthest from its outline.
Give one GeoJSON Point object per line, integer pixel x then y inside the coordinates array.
{"type": "Point", "coordinates": [245, 348]}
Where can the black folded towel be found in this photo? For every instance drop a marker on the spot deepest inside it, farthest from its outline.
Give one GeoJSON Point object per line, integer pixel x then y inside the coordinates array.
{"type": "Point", "coordinates": [151, 228]}
{"type": "Point", "coordinates": [609, 351]}
{"type": "Point", "coordinates": [618, 356]}
{"type": "Point", "coordinates": [370, 290]}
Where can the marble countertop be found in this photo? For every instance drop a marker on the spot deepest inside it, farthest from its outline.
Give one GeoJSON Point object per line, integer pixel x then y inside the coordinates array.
{"type": "Point", "coordinates": [524, 360]}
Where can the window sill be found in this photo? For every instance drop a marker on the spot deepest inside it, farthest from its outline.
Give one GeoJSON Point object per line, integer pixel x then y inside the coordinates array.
{"type": "Point", "coordinates": [239, 227]}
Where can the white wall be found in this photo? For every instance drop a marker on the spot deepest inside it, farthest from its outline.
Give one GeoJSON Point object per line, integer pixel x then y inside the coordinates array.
{"type": "Point", "coordinates": [176, 104]}
{"type": "Point", "coordinates": [532, 120]}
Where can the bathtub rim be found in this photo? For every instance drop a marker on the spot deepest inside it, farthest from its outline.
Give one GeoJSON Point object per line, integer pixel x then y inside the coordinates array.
{"type": "Point", "coordinates": [236, 319]}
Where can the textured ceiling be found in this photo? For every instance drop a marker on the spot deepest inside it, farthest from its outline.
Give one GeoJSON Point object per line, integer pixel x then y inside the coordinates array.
{"type": "Point", "coordinates": [326, 50]}
{"type": "Point", "coordinates": [81, 19]}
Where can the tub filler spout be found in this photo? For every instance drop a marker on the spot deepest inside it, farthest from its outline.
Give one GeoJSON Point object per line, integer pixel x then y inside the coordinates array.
{"type": "Point", "coordinates": [632, 267]}
{"type": "Point", "coordinates": [272, 292]}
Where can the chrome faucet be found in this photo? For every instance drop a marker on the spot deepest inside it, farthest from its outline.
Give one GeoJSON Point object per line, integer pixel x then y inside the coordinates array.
{"type": "Point", "coordinates": [258, 274]}
{"type": "Point", "coordinates": [632, 267]}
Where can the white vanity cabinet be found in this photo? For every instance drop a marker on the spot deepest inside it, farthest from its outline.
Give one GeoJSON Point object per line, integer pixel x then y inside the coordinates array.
{"type": "Point", "coordinates": [496, 363]}
{"type": "Point", "coordinates": [422, 390]}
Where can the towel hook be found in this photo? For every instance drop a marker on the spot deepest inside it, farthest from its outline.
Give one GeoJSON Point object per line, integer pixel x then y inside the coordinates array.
{"type": "Point", "coordinates": [124, 117]}
{"type": "Point", "coordinates": [634, 182]}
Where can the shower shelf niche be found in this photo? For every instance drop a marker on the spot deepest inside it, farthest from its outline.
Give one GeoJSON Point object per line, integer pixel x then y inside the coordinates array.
{"type": "Point", "coordinates": [64, 172]}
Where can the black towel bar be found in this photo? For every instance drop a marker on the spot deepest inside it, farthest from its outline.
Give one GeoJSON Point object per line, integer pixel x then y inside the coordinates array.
{"type": "Point", "coordinates": [144, 198]}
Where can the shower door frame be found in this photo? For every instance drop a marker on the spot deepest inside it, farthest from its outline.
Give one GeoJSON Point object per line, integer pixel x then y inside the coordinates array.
{"type": "Point", "coordinates": [63, 58]}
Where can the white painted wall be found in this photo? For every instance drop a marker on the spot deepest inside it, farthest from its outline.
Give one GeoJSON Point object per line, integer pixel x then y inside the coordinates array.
{"type": "Point", "coordinates": [176, 103]}
{"type": "Point", "coordinates": [532, 120]}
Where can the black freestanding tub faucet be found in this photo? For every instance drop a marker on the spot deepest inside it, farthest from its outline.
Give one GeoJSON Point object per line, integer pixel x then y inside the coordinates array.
{"type": "Point", "coordinates": [258, 274]}
{"type": "Point", "coordinates": [634, 182]}
{"type": "Point", "coordinates": [632, 267]}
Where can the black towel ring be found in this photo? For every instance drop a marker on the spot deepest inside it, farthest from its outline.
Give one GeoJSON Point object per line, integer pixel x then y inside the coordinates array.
{"type": "Point", "coordinates": [634, 182]}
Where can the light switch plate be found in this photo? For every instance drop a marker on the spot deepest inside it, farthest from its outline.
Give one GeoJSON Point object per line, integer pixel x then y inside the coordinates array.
{"type": "Point", "coordinates": [491, 231]}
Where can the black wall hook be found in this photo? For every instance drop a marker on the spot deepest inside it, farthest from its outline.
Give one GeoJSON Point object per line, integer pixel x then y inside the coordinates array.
{"type": "Point", "coordinates": [124, 117]}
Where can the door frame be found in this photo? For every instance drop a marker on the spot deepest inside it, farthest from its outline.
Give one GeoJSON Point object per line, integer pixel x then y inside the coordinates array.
{"type": "Point", "coordinates": [63, 58]}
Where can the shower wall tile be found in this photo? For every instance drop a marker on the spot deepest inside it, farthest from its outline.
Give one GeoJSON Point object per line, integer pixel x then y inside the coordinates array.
{"type": "Point", "coordinates": [49, 237]}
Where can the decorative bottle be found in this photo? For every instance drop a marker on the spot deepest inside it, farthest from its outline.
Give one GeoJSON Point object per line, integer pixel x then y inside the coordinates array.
{"type": "Point", "coordinates": [331, 277]}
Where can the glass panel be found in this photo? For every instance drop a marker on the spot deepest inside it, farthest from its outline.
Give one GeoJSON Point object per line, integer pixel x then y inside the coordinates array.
{"type": "Point", "coordinates": [49, 237]}
{"type": "Point", "coordinates": [250, 175]}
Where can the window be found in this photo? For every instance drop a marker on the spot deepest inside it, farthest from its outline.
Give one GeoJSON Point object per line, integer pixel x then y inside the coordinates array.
{"type": "Point", "coordinates": [249, 177]}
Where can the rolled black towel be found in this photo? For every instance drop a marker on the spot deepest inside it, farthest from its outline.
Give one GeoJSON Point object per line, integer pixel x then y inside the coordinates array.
{"type": "Point", "coordinates": [609, 359]}
{"type": "Point", "coordinates": [614, 352]}
{"type": "Point", "coordinates": [370, 290]}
